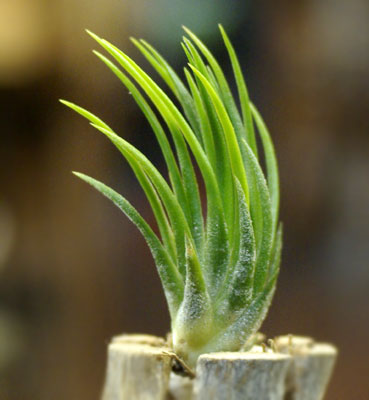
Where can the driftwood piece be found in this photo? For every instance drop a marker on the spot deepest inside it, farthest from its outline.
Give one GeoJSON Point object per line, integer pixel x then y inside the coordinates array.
{"type": "Point", "coordinates": [311, 367]}
{"type": "Point", "coordinates": [138, 368]}
{"type": "Point", "coordinates": [241, 376]}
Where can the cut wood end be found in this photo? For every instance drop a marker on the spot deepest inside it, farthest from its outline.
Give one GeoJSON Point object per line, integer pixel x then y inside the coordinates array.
{"type": "Point", "coordinates": [140, 349]}
{"type": "Point", "coordinates": [324, 349]}
{"type": "Point", "coordinates": [294, 367]}
{"type": "Point", "coordinates": [137, 369]}
{"type": "Point", "coordinates": [241, 375]}
{"type": "Point", "coordinates": [303, 345]}
{"type": "Point", "coordinates": [254, 354]}
{"type": "Point", "coordinates": [311, 367]}
{"type": "Point", "coordinates": [150, 340]}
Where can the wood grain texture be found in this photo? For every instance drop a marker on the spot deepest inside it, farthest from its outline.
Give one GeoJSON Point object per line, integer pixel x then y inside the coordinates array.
{"type": "Point", "coordinates": [311, 367]}
{"type": "Point", "coordinates": [140, 367]}
{"type": "Point", "coordinates": [241, 376]}
{"type": "Point", "coordinates": [137, 369]}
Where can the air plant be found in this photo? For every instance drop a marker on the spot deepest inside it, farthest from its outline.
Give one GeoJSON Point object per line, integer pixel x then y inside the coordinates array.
{"type": "Point", "coordinates": [218, 264]}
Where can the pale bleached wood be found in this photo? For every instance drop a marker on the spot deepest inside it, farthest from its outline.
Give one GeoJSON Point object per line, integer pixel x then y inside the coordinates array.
{"type": "Point", "coordinates": [292, 368]}
{"type": "Point", "coordinates": [241, 376]}
{"type": "Point", "coordinates": [140, 338]}
{"type": "Point", "coordinates": [180, 387]}
{"type": "Point", "coordinates": [138, 369]}
{"type": "Point", "coordinates": [311, 367]}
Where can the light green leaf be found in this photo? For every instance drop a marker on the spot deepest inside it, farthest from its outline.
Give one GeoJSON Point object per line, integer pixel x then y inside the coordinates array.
{"type": "Point", "coordinates": [240, 275]}
{"type": "Point", "coordinates": [178, 222]}
{"type": "Point", "coordinates": [169, 275]}
{"type": "Point", "coordinates": [172, 116]}
{"type": "Point", "coordinates": [206, 133]}
{"type": "Point", "coordinates": [172, 80]}
{"type": "Point", "coordinates": [229, 133]}
{"type": "Point", "coordinates": [264, 249]}
{"type": "Point", "coordinates": [223, 168]}
{"type": "Point", "coordinates": [275, 260]}
{"type": "Point", "coordinates": [271, 163]}
{"type": "Point", "coordinates": [177, 219]}
{"type": "Point", "coordinates": [174, 174]}
{"type": "Point", "coordinates": [242, 92]}
{"type": "Point", "coordinates": [219, 276]}
{"type": "Point", "coordinates": [224, 90]}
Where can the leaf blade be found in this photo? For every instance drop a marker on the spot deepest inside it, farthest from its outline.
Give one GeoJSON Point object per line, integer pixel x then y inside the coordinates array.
{"type": "Point", "coordinates": [242, 91]}
{"type": "Point", "coordinates": [264, 249]}
{"type": "Point", "coordinates": [271, 163]}
{"type": "Point", "coordinates": [174, 174]}
{"type": "Point", "coordinates": [170, 277]}
{"type": "Point", "coordinates": [234, 152]}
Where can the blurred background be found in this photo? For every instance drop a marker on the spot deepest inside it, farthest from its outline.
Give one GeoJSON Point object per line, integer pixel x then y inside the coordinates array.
{"type": "Point", "coordinates": [75, 272]}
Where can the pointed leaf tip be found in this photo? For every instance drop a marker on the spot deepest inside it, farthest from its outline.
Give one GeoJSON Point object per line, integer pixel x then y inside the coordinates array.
{"type": "Point", "coordinates": [68, 104]}
{"type": "Point", "coordinates": [193, 68]}
{"type": "Point", "coordinates": [93, 35]}
{"type": "Point", "coordinates": [80, 175]}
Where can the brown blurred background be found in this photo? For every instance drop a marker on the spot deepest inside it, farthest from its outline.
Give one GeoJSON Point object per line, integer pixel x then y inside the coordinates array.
{"type": "Point", "coordinates": [74, 271]}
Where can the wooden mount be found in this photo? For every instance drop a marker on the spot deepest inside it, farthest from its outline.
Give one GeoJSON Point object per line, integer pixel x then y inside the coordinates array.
{"type": "Point", "coordinates": [140, 367]}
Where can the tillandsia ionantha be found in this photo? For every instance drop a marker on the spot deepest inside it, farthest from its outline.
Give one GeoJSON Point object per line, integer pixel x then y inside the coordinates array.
{"type": "Point", "coordinates": [218, 264]}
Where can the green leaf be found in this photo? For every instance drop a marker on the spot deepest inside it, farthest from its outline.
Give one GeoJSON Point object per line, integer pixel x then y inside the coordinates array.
{"type": "Point", "coordinates": [271, 163]}
{"type": "Point", "coordinates": [174, 174]}
{"type": "Point", "coordinates": [217, 251]}
{"type": "Point", "coordinates": [264, 249]}
{"type": "Point", "coordinates": [231, 139]}
{"type": "Point", "coordinates": [91, 117]}
{"type": "Point", "coordinates": [206, 133]}
{"type": "Point", "coordinates": [169, 275]}
{"type": "Point", "coordinates": [194, 216]}
{"type": "Point", "coordinates": [156, 64]}
{"type": "Point", "coordinates": [172, 80]}
{"type": "Point", "coordinates": [217, 244]}
{"type": "Point", "coordinates": [154, 201]}
{"type": "Point", "coordinates": [224, 89]}
{"type": "Point", "coordinates": [275, 260]}
{"type": "Point", "coordinates": [193, 325]}
{"type": "Point", "coordinates": [172, 116]}
{"type": "Point", "coordinates": [242, 92]}
{"type": "Point", "coordinates": [156, 205]}
{"type": "Point", "coordinates": [240, 275]}
{"type": "Point", "coordinates": [178, 222]}
{"type": "Point", "coordinates": [223, 168]}
{"type": "Point", "coordinates": [219, 277]}
{"type": "Point", "coordinates": [182, 94]}
{"type": "Point", "coordinates": [177, 219]}
{"type": "Point", "coordinates": [198, 62]}
{"type": "Point", "coordinates": [248, 322]}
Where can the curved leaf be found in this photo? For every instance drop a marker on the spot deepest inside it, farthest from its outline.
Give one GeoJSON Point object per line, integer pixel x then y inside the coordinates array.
{"type": "Point", "coordinates": [264, 250]}
{"type": "Point", "coordinates": [169, 275]}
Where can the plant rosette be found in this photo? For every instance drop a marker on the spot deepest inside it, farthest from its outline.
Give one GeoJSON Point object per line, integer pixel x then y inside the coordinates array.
{"type": "Point", "coordinates": [218, 268]}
